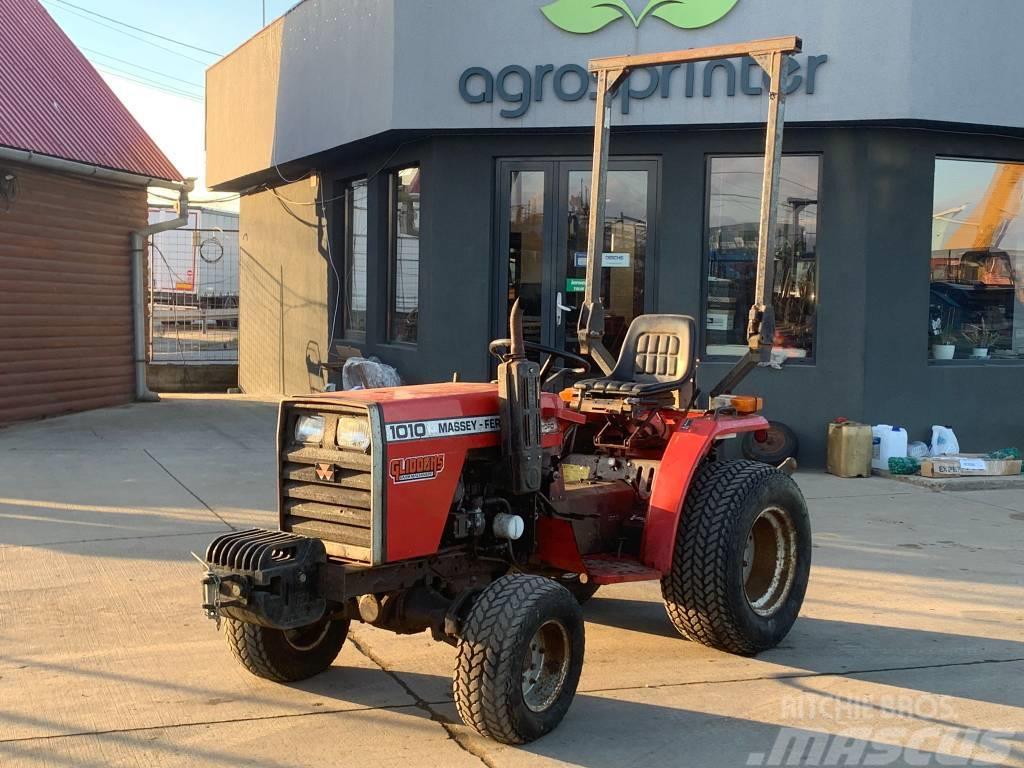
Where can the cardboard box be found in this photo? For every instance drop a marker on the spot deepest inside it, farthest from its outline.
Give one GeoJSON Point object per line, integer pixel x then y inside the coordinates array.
{"type": "Point", "coordinates": [969, 465]}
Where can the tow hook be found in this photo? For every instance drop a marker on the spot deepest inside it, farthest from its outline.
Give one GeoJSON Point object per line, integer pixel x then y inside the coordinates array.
{"type": "Point", "coordinates": [212, 591]}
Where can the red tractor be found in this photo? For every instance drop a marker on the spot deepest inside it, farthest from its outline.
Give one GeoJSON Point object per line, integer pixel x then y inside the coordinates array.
{"type": "Point", "coordinates": [486, 513]}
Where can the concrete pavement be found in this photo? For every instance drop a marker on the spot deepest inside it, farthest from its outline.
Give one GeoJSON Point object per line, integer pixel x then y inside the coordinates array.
{"type": "Point", "coordinates": [909, 651]}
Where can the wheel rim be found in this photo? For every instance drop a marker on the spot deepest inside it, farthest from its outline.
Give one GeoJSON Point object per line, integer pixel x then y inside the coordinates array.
{"type": "Point", "coordinates": [769, 561]}
{"type": "Point", "coordinates": [546, 666]}
{"type": "Point", "coordinates": [308, 638]}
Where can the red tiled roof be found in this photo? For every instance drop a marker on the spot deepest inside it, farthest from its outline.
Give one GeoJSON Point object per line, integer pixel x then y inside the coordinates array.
{"type": "Point", "coordinates": [53, 102]}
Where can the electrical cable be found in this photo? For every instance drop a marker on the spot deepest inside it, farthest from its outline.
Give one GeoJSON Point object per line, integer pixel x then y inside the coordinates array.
{"type": "Point", "coordinates": [144, 69]}
{"type": "Point", "coordinates": [138, 29]}
{"type": "Point", "coordinates": [196, 201]}
{"type": "Point", "coordinates": [334, 269]}
{"type": "Point", "coordinates": [142, 78]}
{"type": "Point", "coordinates": [286, 180]}
{"type": "Point", "coordinates": [368, 179]}
{"type": "Point", "coordinates": [170, 89]}
{"type": "Point", "coordinates": [129, 34]}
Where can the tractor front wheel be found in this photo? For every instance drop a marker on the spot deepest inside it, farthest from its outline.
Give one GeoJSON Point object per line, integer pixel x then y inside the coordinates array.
{"type": "Point", "coordinates": [742, 558]}
{"type": "Point", "coordinates": [519, 660]}
{"type": "Point", "coordinates": [286, 655]}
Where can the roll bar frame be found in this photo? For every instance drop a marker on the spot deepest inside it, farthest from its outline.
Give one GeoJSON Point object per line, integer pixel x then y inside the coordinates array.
{"type": "Point", "coordinates": [771, 55]}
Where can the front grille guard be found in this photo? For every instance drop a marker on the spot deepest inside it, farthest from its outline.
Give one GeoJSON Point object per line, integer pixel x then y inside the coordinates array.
{"type": "Point", "coordinates": [376, 554]}
{"type": "Point", "coordinates": [265, 577]}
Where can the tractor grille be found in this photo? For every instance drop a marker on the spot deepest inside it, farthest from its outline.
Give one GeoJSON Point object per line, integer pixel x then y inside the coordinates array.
{"type": "Point", "coordinates": [327, 491]}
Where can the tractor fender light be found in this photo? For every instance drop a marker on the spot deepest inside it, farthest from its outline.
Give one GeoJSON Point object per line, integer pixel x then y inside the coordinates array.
{"type": "Point", "coordinates": [747, 403]}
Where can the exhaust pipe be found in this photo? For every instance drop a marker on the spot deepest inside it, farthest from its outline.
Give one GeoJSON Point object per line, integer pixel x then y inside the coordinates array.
{"type": "Point", "coordinates": [519, 403]}
{"type": "Point", "coordinates": [515, 324]}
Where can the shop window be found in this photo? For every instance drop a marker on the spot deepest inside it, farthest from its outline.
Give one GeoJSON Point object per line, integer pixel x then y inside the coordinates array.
{"type": "Point", "coordinates": [404, 269]}
{"type": "Point", "coordinates": [734, 199]}
{"type": "Point", "coordinates": [354, 299]}
{"type": "Point", "coordinates": [977, 261]}
{"type": "Point", "coordinates": [625, 249]}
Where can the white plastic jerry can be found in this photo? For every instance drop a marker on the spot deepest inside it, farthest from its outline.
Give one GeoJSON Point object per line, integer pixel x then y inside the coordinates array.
{"type": "Point", "coordinates": [887, 441]}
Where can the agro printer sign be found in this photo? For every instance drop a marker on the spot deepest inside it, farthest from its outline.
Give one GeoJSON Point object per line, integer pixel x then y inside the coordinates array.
{"type": "Point", "coordinates": [519, 86]}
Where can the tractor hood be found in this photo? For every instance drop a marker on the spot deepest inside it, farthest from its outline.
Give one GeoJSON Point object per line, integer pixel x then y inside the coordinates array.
{"type": "Point", "coordinates": [429, 411]}
{"type": "Point", "coordinates": [426, 410]}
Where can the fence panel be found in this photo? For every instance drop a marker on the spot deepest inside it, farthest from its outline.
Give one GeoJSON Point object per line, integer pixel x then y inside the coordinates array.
{"type": "Point", "coordinates": [193, 293]}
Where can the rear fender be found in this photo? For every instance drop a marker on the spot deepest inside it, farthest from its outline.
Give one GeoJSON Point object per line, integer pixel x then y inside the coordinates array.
{"type": "Point", "coordinates": [686, 449]}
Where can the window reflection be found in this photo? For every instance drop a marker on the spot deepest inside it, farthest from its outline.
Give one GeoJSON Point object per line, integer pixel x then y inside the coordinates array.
{"type": "Point", "coordinates": [625, 251]}
{"type": "Point", "coordinates": [355, 260]}
{"type": "Point", "coordinates": [732, 238]}
{"type": "Point", "coordinates": [403, 311]}
{"type": "Point", "coordinates": [526, 248]}
{"type": "Point", "coordinates": [977, 259]}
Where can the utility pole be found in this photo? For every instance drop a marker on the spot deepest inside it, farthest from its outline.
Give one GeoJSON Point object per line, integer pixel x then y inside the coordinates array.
{"type": "Point", "coordinates": [264, 2]}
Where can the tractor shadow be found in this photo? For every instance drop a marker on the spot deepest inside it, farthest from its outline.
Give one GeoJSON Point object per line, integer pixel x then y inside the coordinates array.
{"type": "Point", "coordinates": [819, 647]}
{"type": "Point", "coordinates": [943, 676]}
{"type": "Point", "coordinates": [609, 730]}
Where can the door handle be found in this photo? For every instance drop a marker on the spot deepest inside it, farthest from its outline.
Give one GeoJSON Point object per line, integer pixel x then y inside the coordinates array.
{"type": "Point", "coordinates": [560, 308]}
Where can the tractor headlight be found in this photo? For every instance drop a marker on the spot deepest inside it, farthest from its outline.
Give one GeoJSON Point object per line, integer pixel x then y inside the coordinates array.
{"type": "Point", "coordinates": [353, 433]}
{"type": "Point", "coordinates": [309, 429]}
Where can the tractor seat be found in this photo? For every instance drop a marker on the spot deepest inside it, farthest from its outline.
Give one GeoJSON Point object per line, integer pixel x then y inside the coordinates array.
{"type": "Point", "coordinates": [657, 359]}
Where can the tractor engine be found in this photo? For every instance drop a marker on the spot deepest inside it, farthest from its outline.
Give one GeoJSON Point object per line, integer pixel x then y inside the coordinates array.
{"type": "Point", "coordinates": [383, 482]}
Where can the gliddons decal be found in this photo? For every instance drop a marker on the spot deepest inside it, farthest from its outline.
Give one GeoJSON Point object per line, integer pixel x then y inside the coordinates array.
{"type": "Point", "coordinates": [413, 469]}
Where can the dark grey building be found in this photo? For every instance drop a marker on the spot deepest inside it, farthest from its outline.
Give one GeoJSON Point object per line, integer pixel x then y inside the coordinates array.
{"type": "Point", "coordinates": [408, 167]}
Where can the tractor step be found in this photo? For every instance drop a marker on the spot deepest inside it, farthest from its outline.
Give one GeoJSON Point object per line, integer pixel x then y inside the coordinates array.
{"type": "Point", "coordinates": [607, 569]}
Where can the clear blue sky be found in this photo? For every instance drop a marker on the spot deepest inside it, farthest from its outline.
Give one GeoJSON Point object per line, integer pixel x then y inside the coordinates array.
{"type": "Point", "coordinates": [159, 81]}
{"type": "Point", "coordinates": [216, 25]}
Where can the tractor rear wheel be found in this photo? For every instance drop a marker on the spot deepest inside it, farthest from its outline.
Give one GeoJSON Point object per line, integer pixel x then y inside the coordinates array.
{"type": "Point", "coordinates": [519, 660]}
{"type": "Point", "coordinates": [286, 655]}
{"type": "Point", "coordinates": [742, 558]}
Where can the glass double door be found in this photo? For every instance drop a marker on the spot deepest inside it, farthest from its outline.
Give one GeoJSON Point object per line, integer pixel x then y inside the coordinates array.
{"type": "Point", "coordinates": [544, 212]}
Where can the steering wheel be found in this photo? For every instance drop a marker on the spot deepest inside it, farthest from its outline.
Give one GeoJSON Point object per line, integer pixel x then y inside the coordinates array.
{"type": "Point", "coordinates": [499, 348]}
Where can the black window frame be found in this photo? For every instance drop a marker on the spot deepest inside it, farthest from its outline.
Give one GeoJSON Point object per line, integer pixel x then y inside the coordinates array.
{"type": "Point", "coordinates": [392, 255]}
{"type": "Point", "coordinates": [347, 333]}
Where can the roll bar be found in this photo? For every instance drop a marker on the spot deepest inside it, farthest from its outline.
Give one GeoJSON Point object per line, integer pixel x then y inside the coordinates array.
{"type": "Point", "coordinates": [612, 72]}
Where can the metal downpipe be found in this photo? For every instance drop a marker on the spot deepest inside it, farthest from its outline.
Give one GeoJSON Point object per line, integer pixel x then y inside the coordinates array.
{"type": "Point", "coordinates": [138, 240]}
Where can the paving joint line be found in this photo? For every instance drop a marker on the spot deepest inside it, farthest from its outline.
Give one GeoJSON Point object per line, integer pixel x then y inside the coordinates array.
{"type": "Point", "coordinates": [860, 495]}
{"type": "Point", "coordinates": [228, 721]}
{"type": "Point", "coordinates": [427, 706]}
{"type": "Point", "coordinates": [114, 538]}
{"type": "Point", "coordinates": [189, 490]}
{"type": "Point", "coordinates": [984, 503]}
{"type": "Point", "coordinates": [420, 703]}
{"type": "Point", "coordinates": [809, 674]}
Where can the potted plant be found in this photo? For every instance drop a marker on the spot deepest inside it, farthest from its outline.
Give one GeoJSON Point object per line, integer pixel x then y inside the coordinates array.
{"type": "Point", "coordinates": [982, 336]}
{"type": "Point", "coordinates": [945, 346]}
